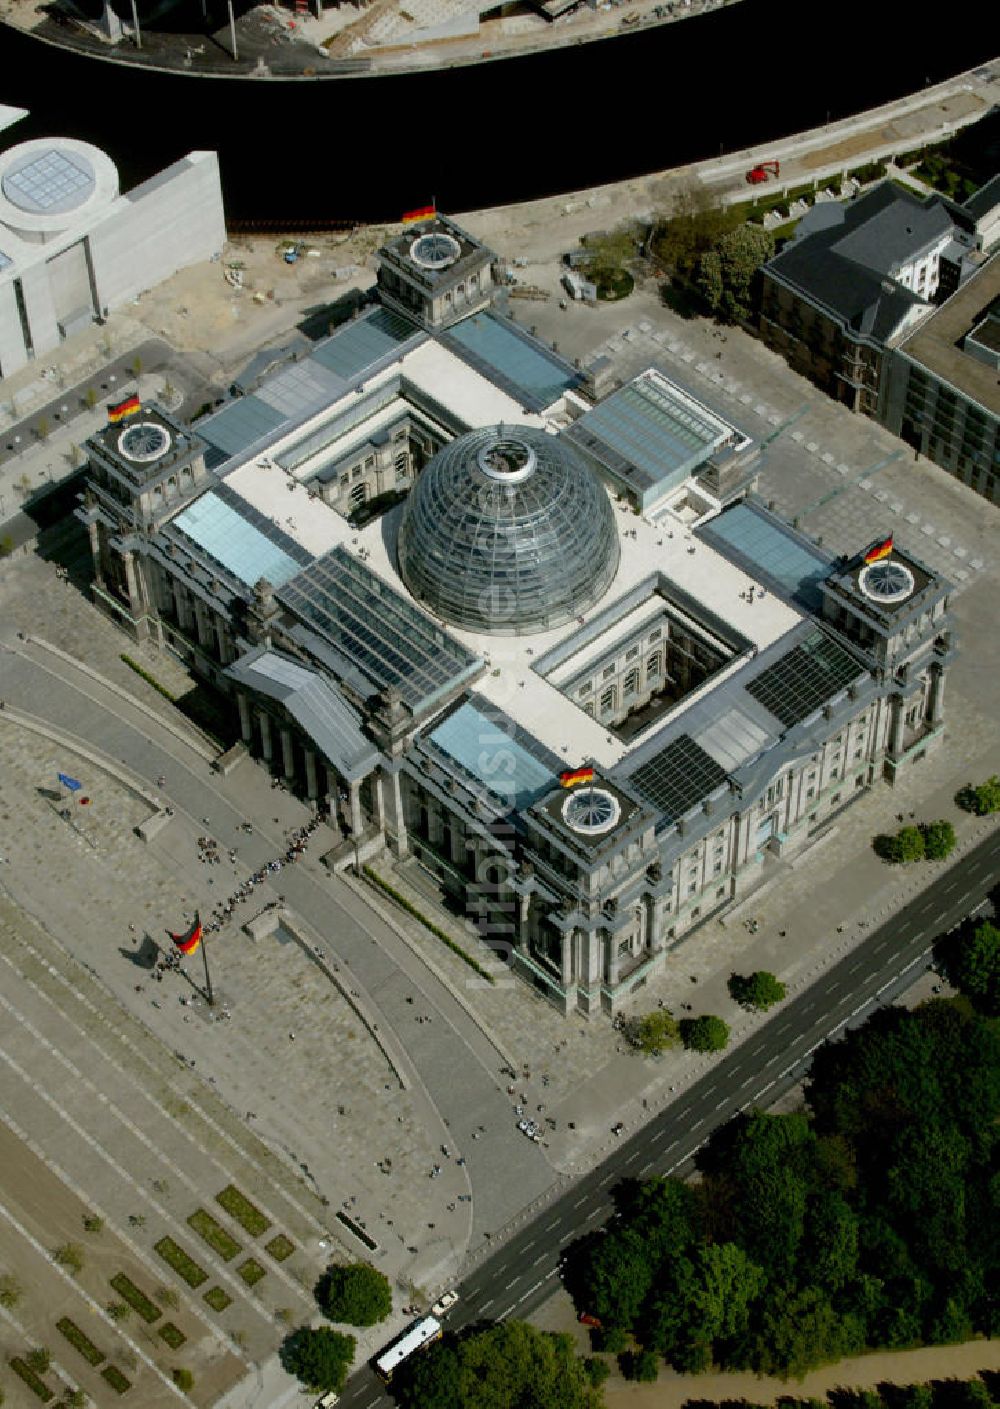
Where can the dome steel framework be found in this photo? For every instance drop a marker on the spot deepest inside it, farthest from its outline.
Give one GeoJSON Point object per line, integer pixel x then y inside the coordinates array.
{"type": "Point", "coordinates": [508, 532]}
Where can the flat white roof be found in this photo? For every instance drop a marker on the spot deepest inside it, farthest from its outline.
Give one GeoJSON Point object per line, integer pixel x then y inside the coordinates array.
{"type": "Point", "coordinates": [516, 688]}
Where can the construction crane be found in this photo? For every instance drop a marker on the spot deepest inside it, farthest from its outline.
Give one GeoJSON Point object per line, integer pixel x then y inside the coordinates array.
{"type": "Point", "coordinates": [763, 172]}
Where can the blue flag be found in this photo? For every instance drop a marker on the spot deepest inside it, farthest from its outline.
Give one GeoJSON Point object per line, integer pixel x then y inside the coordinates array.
{"type": "Point", "coordinates": [70, 783]}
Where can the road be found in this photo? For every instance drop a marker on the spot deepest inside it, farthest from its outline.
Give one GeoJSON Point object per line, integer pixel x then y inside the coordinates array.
{"type": "Point", "coordinates": [521, 1274]}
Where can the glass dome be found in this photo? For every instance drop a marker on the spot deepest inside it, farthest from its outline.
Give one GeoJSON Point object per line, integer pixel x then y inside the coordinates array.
{"type": "Point", "coordinates": [508, 532]}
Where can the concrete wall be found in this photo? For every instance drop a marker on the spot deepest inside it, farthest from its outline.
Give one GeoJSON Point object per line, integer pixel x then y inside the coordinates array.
{"type": "Point", "coordinates": [12, 351]}
{"type": "Point", "coordinates": [172, 220]}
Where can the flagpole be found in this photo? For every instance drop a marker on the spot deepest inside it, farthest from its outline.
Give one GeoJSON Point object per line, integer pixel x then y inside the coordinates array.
{"type": "Point", "coordinates": [208, 977]}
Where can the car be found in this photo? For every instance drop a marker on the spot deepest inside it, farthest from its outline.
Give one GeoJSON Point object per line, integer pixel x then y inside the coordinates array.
{"type": "Point", "coordinates": [445, 1303]}
{"type": "Point", "coordinates": [328, 1400]}
{"type": "Point", "coordinates": [617, 1129]}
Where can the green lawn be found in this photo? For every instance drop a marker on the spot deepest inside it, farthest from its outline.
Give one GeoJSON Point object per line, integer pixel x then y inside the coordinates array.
{"type": "Point", "coordinates": [116, 1379]}
{"type": "Point", "coordinates": [251, 1272]}
{"type": "Point", "coordinates": [280, 1247]}
{"type": "Point", "coordinates": [79, 1341]}
{"type": "Point", "coordinates": [217, 1299]}
{"type": "Point", "coordinates": [185, 1267]}
{"type": "Point", "coordinates": [139, 1301]}
{"type": "Point", "coordinates": [36, 1385]}
{"type": "Point", "coordinates": [174, 1337]}
{"type": "Point", "coordinates": [247, 1215]}
{"type": "Point", "coordinates": [214, 1235]}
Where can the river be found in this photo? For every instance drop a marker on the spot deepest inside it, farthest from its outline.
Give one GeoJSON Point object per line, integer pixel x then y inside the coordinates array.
{"type": "Point", "coordinates": [370, 148]}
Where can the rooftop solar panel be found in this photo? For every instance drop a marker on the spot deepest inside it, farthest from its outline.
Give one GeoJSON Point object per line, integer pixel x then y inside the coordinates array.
{"type": "Point", "coordinates": [375, 628]}
{"type": "Point", "coordinates": [804, 678]}
{"type": "Point", "coordinates": [354, 347]}
{"type": "Point", "coordinates": [678, 777]}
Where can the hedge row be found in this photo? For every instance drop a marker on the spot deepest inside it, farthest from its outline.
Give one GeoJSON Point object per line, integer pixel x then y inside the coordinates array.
{"type": "Point", "coordinates": [184, 1266]}
{"type": "Point", "coordinates": [79, 1341]}
{"type": "Point", "coordinates": [401, 900]}
{"type": "Point", "coordinates": [214, 1235]}
{"type": "Point", "coordinates": [138, 1300]}
{"type": "Point", "coordinates": [247, 1215]}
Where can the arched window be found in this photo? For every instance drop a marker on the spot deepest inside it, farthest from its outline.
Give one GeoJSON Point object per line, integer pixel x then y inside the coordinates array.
{"type": "Point", "coordinates": [631, 686]}
{"type": "Point", "coordinates": [654, 666]}
{"type": "Point", "coordinates": [608, 699]}
{"type": "Point", "coordinates": [359, 493]}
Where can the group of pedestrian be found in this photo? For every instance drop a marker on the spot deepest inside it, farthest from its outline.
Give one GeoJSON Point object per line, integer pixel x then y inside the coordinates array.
{"type": "Point", "coordinates": [208, 848]}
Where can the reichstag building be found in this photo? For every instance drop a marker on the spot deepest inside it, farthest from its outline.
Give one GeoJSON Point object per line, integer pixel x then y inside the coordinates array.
{"type": "Point", "coordinates": [532, 636]}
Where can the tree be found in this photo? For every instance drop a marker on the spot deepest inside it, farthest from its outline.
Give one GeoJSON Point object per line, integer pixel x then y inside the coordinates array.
{"type": "Point", "coordinates": [42, 427]}
{"type": "Point", "coordinates": [118, 1310]}
{"type": "Point", "coordinates": [759, 990]}
{"type": "Point", "coordinates": [90, 397]}
{"type": "Point", "coordinates": [972, 964]}
{"type": "Point", "coordinates": [596, 1370]}
{"type": "Point", "coordinates": [655, 1032]}
{"type": "Point", "coordinates": [704, 1034]}
{"type": "Point", "coordinates": [906, 846]}
{"type": "Point", "coordinates": [320, 1359]}
{"type": "Point", "coordinates": [70, 1256]}
{"type": "Point", "coordinates": [981, 798]}
{"type": "Point", "coordinates": [694, 226]}
{"type": "Point", "coordinates": [357, 1294]}
{"type": "Point", "coordinates": [939, 839]}
{"type": "Point", "coordinates": [75, 1398]}
{"type": "Point", "coordinates": [39, 1359]}
{"type": "Point", "coordinates": [183, 1379]}
{"type": "Point", "coordinates": [92, 1223]}
{"type": "Point", "coordinates": [169, 1297]}
{"type": "Point", "coordinates": [11, 1291]}
{"type": "Point", "coordinates": [607, 259]}
{"type": "Point", "coordinates": [730, 270]}
{"type": "Point", "coordinates": [506, 1365]}
{"type": "Point", "coordinates": [642, 1365]}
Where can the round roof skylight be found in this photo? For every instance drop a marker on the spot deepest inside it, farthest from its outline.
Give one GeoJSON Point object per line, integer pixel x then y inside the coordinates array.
{"type": "Point", "coordinates": [144, 442]}
{"type": "Point", "coordinates": [591, 811]}
{"type": "Point", "coordinates": [886, 582]}
{"type": "Point", "coordinates": [435, 251]}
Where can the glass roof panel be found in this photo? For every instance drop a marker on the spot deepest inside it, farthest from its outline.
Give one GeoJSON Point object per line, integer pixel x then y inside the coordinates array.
{"type": "Point", "coordinates": [762, 545]}
{"type": "Point", "coordinates": [375, 628]}
{"type": "Point", "coordinates": [511, 359]}
{"type": "Point", "coordinates": [354, 347]}
{"type": "Point", "coordinates": [231, 539]}
{"type": "Point", "coordinates": [238, 425]}
{"type": "Point", "coordinates": [488, 751]}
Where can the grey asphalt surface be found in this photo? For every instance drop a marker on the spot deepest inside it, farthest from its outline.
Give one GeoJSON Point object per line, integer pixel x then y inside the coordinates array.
{"type": "Point", "coordinates": [523, 1273]}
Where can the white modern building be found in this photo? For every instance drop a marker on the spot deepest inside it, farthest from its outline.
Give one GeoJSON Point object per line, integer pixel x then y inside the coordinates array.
{"type": "Point", "coordinates": [73, 246]}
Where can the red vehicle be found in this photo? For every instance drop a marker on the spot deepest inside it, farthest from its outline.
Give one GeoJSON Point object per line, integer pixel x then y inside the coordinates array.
{"type": "Point", "coordinates": [586, 1319]}
{"type": "Point", "coordinates": [757, 174]}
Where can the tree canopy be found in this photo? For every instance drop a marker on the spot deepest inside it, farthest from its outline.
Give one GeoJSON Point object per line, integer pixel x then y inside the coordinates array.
{"type": "Point", "coordinates": [508, 1366]}
{"type": "Point", "coordinates": [760, 990]}
{"type": "Point", "coordinates": [655, 1032]}
{"type": "Point", "coordinates": [357, 1294]}
{"type": "Point", "coordinates": [971, 961]}
{"type": "Point", "coordinates": [870, 1219]}
{"type": "Point", "coordinates": [320, 1359]}
{"type": "Point", "coordinates": [705, 1034]}
{"type": "Point", "coordinates": [981, 798]}
{"type": "Point", "coordinates": [726, 274]}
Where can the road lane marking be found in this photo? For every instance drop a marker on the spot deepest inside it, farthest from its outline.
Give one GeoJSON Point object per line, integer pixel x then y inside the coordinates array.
{"type": "Point", "coordinates": [540, 1258]}
{"type": "Point", "coordinates": [579, 1202]}
{"type": "Point", "coordinates": [487, 1304]}
{"type": "Point", "coordinates": [549, 1226]}
{"type": "Point", "coordinates": [504, 1314]}
{"type": "Point", "coordinates": [528, 1246]}
{"type": "Point", "coordinates": [512, 1283]}
{"type": "Point", "coordinates": [645, 1167]}
{"type": "Point", "coordinates": [594, 1213]}
{"type": "Point", "coordinates": [723, 1102]}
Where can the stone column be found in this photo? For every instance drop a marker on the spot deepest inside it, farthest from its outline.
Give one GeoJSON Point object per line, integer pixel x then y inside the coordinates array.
{"type": "Point", "coordinates": [246, 723]}
{"type": "Point", "coordinates": [357, 825]}
{"type": "Point", "coordinates": [312, 784]}
{"type": "Point", "coordinates": [936, 712]}
{"type": "Point", "coordinates": [395, 822]}
{"type": "Point", "coordinates": [896, 725]}
{"type": "Point", "coordinates": [266, 743]}
{"type": "Point", "coordinates": [567, 957]}
{"type": "Point", "coordinates": [131, 583]}
{"type": "Point", "coordinates": [95, 550]}
{"type": "Point", "coordinates": [287, 754]}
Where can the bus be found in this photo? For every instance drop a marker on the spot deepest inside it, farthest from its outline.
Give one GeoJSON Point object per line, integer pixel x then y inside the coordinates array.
{"type": "Point", "coordinates": [421, 1334]}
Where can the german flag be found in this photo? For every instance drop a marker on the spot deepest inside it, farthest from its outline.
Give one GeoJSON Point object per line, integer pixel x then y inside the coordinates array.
{"type": "Point", "coordinates": [574, 776]}
{"type": "Point", "coordinates": [423, 213]}
{"type": "Point", "coordinates": [131, 406]}
{"type": "Point", "coordinates": [879, 551]}
{"type": "Point", "coordinates": [188, 942]}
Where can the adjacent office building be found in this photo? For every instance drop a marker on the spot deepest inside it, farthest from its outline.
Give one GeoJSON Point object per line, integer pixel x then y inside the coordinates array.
{"type": "Point", "coordinates": [879, 302]}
